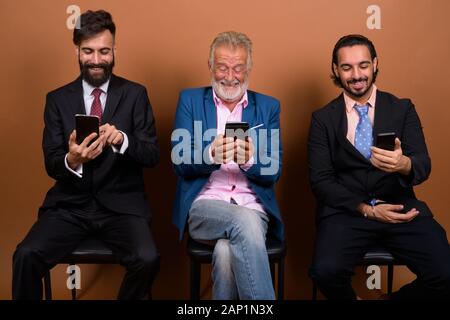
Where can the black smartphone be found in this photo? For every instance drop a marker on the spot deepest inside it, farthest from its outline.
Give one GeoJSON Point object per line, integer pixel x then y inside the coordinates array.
{"type": "Point", "coordinates": [85, 125]}
{"type": "Point", "coordinates": [386, 140]}
{"type": "Point", "coordinates": [238, 130]}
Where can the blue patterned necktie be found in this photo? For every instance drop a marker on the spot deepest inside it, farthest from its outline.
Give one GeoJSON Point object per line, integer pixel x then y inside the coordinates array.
{"type": "Point", "coordinates": [363, 133]}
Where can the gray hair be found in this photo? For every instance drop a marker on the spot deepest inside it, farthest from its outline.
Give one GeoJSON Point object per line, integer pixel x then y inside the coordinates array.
{"type": "Point", "coordinates": [232, 39]}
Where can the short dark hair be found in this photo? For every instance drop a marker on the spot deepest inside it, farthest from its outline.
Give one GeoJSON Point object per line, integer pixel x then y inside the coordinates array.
{"type": "Point", "coordinates": [92, 23]}
{"type": "Point", "coordinates": [350, 41]}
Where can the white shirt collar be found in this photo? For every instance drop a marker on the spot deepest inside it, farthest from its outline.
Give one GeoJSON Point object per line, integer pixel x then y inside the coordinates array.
{"type": "Point", "coordinates": [350, 103]}
{"type": "Point", "coordinates": [87, 88]}
{"type": "Point", "coordinates": [243, 100]}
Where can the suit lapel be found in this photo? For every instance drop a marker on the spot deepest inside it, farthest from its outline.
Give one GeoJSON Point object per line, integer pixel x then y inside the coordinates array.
{"type": "Point", "coordinates": [339, 120]}
{"type": "Point", "coordinates": [248, 113]}
{"type": "Point", "coordinates": [383, 115]}
{"type": "Point", "coordinates": [75, 98]}
{"type": "Point", "coordinates": [210, 110]}
{"type": "Point", "coordinates": [112, 100]}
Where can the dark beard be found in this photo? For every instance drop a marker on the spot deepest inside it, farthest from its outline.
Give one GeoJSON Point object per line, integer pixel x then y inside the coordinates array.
{"type": "Point", "coordinates": [357, 94]}
{"type": "Point", "coordinates": [96, 81]}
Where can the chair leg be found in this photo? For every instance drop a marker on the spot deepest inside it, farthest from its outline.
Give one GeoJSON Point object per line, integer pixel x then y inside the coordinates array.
{"type": "Point", "coordinates": [47, 286]}
{"type": "Point", "coordinates": [272, 273]}
{"type": "Point", "coordinates": [314, 293]}
{"type": "Point", "coordinates": [390, 277]}
{"type": "Point", "coordinates": [149, 296]}
{"type": "Point", "coordinates": [195, 279]}
{"type": "Point", "coordinates": [281, 279]}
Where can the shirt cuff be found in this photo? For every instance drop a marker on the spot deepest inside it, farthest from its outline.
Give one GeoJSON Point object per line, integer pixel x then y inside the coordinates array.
{"type": "Point", "coordinates": [78, 171]}
{"type": "Point", "coordinates": [248, 164]}
{"type": "Point", "coordinates": [124, 145]}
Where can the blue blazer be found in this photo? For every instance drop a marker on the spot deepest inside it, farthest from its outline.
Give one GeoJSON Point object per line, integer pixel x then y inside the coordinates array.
{"type": "Point", "coordinates": [198, 105]}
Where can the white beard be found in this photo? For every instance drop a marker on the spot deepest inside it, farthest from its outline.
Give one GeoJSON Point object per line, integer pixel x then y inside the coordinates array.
{"type": "Point", "coordinates": [229, 94]}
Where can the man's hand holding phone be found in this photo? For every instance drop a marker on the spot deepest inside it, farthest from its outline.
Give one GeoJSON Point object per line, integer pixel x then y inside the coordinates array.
{"type": "Point", "coordinates": [227, 149]}
{"type": "Point", "coordinates": [243, 150]}
{"type": "Point", "coordinates": [391, 161]}
{"type": "Point", "coordinates": [222, 149]}
{"type": "Point", "coordinates": [89, 149]}
{"type": "Point", "coordinates": [235, 145]}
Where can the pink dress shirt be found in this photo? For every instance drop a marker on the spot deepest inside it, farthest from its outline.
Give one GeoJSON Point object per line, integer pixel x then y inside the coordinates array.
{"type": "Point", "coordinates": [229, 181]}
{"type": "Point", "coordinates": [352, 114]}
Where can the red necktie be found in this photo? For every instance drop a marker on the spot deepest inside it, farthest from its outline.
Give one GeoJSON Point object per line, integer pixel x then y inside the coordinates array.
{"type": "Point", "coordinates": [96, 108]}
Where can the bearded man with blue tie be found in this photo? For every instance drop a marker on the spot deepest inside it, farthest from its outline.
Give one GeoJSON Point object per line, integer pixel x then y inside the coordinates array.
{"type": "Point", "coordinates": [99, 189]}
{"type": "Point", "coordinates": [364, 193]}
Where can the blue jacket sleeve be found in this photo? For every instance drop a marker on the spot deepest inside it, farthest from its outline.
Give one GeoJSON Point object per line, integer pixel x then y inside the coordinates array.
{"type": "Point", "coordinates": [189, 150]}
{"type": "Point", "coordinates": [267, 168]}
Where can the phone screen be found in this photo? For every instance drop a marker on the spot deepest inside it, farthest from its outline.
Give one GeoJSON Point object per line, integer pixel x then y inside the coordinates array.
{"type": "Point", "coordinates": [85, 125]}
{"type": "Point", "coordinates": [386, 141]}
{"type": "Point", "coordinates": [238, 130]}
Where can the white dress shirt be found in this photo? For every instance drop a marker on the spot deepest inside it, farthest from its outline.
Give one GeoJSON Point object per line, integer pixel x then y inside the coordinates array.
{"type": "Point", "coordinates": [88, 99]}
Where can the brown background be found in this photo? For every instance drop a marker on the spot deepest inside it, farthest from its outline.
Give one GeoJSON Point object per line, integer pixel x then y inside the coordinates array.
{"type": "Point", "coordinates": [164, 45]}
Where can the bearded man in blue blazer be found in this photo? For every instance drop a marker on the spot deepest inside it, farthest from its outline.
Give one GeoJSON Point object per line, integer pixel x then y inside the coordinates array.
{"type": "Point", "coordinates": [225, 192]}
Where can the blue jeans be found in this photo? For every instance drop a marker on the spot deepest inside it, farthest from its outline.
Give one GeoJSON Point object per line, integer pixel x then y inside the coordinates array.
{"type": "Point", "coordinates": [240, 262]}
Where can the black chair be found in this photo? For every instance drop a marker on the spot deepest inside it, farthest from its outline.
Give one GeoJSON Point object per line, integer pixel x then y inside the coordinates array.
{"type": "Point", "coordinates": [89, 251]}
{"type": "Point", "coordinates": [201, 253]}
{"type": "Point", "coordinates": [375, 256]}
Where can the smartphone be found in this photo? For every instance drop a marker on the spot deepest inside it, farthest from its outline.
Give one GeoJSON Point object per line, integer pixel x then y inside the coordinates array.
{"type": "Point", "coordinates": [238, 130]}
{"type": "Point", "coordinates": [85, 125]}
{"type": "Point", "coordinates": [386, 141]}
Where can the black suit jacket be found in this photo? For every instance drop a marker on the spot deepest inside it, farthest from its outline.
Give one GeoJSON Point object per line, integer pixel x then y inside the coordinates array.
{"type": "Point", "coordinates": [341, 178]}
{"type": "Point", "coordinates": [114, 180]}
